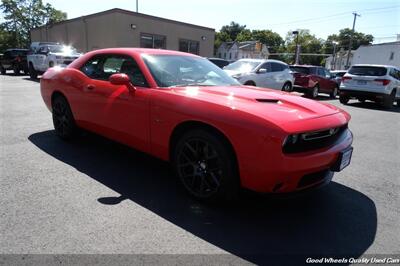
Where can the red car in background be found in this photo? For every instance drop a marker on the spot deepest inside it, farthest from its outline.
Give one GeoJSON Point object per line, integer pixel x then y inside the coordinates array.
{"type": "Point", "coordinates": [217, 134]}
{"type": "Point", "coordinates": [313, 80]}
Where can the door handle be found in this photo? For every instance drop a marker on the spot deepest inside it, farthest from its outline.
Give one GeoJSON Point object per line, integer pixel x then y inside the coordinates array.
{"type": "Point", "coordinates": [89, 87]}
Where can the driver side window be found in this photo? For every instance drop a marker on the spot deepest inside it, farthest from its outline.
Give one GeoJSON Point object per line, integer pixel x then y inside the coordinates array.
{"type": "Point", "coordinates": [101, 67]}
{"type": "Point", "coordinates": [266, 66]}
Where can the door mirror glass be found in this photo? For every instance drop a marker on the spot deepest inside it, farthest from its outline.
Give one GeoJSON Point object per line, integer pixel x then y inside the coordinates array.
{"type": "Point", "coordinates": [119, 79]}
{"type": "Point", "coordinates": [262, 70]}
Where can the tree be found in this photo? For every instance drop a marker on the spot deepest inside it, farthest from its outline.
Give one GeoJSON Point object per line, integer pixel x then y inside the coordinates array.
{"type": "Point", "coordinates": [232, 30]}
{"type": "Point", "coordinates": [23, 15]}
{"type": "Point", "coordinates": [271, 39]}
{"type": "Point", "coordinates": [309, 44]}
{"type": "Point", "coordinates": [343, 39]}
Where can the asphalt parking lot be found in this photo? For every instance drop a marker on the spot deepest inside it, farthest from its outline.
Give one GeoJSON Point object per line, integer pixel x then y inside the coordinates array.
{"type": "Point", "coordinates": [93, 196]}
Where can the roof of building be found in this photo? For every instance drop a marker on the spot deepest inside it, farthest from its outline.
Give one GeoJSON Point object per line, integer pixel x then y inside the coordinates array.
{"type": "Point", "coordinates": [119, 10]}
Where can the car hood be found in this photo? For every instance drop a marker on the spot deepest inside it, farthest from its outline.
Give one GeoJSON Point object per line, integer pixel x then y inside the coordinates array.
{"type": "Point", "coordinates": [275, 106]}
{"type": "Point", "coordinates": [66, 55]}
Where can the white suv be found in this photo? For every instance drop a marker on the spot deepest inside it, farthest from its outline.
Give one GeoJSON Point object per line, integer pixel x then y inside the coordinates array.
{"type": "Point", "coordinates": [378, 83]}
{"type": "Point", "coordinates": [264, 73]}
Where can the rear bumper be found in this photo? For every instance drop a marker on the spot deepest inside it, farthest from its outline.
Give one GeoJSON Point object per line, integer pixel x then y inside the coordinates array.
{"type": "Point", "coordinates": [366, 95]}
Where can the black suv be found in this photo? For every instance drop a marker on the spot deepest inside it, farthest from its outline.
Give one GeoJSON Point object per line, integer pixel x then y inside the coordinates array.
{"type": "Point", "coordinates": [14, 59]}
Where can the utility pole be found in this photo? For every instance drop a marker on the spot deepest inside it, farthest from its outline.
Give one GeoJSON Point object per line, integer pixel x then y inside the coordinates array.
{"type": "Point", "coordinates": [333, 64]}
{"type": "Point", "coordinates": [137, 6]}
{"type": "Point", "coordinates": [351, 39]}
{"type": "Point", "coordinates": [296, 56]}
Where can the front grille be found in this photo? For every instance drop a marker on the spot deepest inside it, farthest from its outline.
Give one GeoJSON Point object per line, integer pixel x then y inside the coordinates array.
{"type": "Point", "coordinates": [309, 141]}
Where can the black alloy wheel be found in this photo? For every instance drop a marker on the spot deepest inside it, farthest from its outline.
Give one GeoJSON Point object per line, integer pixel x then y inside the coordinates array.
{"type": "Point", "coordinates": [205, 167]}
{"type": "Point", "coordinates": [63, 120]}
{"type": "Point", "coordinates": [344, 99]}
{"type": "Point", "coordinates": [287, 87]}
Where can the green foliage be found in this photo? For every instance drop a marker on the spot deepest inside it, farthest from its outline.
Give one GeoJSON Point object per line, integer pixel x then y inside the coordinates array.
{"type": "Point", "coordinates": [232, 30]}
{"type": "Point", "coordinates": [343, 39]}
{"type": "Point", "coordinates": [20, 16]}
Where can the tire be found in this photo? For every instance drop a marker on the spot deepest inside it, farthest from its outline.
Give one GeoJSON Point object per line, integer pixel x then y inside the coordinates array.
{"type": "Point", "coordinates": [388, 101]}
{"type": "Point", "coordinates": [344, 99]}
{"type": "Point", "coordinates": [314, 92]}
{"type": "Point", "coordinates": [16, 70]}
{"type": "Point", "coordinates": [2, 70]}
{"type": "Point", "coordinates": [32, 72]}
{"type": "Point", "coordinates": [63, 119]}
{"type": "Point", "coordinates": [334, 93]}
{"type": "Point", "coordinates": [287, 87]}
{"type": "Point", "coordinates": [398, 103]}
{"type": "Point", "coordinates": [206, 166]}
{"type": "Point", "coordinates": [249, 83]}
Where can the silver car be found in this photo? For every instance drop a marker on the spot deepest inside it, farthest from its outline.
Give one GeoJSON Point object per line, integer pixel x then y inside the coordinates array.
{"type": "Point", "coordinates": [266, 73]}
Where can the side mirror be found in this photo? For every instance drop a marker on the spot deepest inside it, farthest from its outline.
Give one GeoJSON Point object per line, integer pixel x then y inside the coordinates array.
{"type": "Point", "coordinates": [262, 71]}
{"type": "Point", "coordinates": [121, 79]}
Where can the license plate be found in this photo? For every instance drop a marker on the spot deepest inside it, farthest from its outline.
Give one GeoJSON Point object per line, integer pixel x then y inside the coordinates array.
{"type": "Point", "coordinates": [343, 160]}
{"type": "Point", "coordinates": [361, 82]}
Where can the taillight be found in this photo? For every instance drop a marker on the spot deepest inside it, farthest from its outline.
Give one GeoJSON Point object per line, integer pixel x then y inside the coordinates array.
{"type": "Point", "coordinates": [18, 59]}
{"type": "Point", "coordinates": [346, 78]}
{"type": "Point", "coordinates": [384, 82]}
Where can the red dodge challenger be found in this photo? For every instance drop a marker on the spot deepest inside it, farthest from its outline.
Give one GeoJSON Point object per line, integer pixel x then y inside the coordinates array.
{"type": "Point", "coordinates": [218, 135]}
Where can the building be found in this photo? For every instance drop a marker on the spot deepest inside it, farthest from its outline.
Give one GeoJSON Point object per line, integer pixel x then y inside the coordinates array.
{"type": "Point", "coordinates": [340, 60]}
{"type": "Point", "coordinates": [123, 28]}
{"type": "Point", "coordinates": [239, 50]}
{"type": "Point", "coordinates": [379, 54]}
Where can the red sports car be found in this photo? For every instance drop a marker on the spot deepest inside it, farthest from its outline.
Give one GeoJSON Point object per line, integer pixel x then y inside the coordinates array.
{"type": "Point", "coordinates": [218, 135]}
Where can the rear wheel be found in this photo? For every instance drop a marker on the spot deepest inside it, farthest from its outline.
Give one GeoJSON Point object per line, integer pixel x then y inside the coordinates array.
{"type": "Point", "coordinates": [249, 83]}
{"type": "Point", "coordinates": [334, 93]}
{"type": "Point", "coordinates": [287, 87]}
{"type": "Point", "coordinates": [344, 99]}
{"type": "Point", "coordinates": [32, 72]}
{"type": "Point", "coordinates": [314, 92]}
{"type": "Point", "coordinates": [16, 70]}
{"type": "Point", "coordinates": [63, 120]}
{"type": "Point", "coordinates": [206, 166]}
{"type": "Point", "coordinates": [2, 70]}
{"type": "Point", "coordinates": [388, 101]}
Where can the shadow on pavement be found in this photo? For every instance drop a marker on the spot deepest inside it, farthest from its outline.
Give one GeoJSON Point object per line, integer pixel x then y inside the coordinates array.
{"type": "Point", "coordinates": [35, 80]}
{"type": "Point", "coordinates": [334, 221]}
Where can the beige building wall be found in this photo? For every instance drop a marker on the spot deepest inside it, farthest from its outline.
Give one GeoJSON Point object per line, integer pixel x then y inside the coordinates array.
{"type": "Point", "coordinates": [120, 28]}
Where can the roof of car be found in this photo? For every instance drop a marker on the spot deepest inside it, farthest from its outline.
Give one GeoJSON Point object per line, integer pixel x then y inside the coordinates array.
{"type": "Point", "coordinates": [17, 49]}
{"type": "Point", "coordinates": [141, 51]}
{"type": "Point", "coordinates": [261, 60]}
{"type": "Point", "coordinates": [373, 65]}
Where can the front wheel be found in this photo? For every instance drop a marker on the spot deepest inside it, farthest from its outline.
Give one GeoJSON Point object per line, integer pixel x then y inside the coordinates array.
{"type": "Point", "coordinates": [344, 99]}
{"type": "Point", "coordinates": [63, 120]}
{"type": "Point", "coordinates": [334, 93]}
{"type": "Point", "coordinates": [2, 70]}
{"type": "Point", "coordinates": [314, 92]}
{"type": "Point", "coordinates": [32, 72]}
{"type": "Point", "coordinates": [206, 166]}
{"type": "Point", "coordinates": [287, 87]}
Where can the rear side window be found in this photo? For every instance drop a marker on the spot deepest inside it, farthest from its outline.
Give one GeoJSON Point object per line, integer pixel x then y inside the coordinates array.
{"type": "Point", "coordinates": [275, 67]}
{"type": "Point", "coordinates": [367, 71]}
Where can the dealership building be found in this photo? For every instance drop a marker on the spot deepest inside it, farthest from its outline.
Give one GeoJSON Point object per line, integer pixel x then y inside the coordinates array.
{"type": "Point", "coordinates": [123, 28]}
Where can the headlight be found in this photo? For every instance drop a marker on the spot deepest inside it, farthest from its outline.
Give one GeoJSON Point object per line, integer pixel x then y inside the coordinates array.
{"type": "Point", "coordinates": [291, 139]}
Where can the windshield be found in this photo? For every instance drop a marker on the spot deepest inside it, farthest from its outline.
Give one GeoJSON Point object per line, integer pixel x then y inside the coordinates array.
{"type": "Point", "coordinates": [62, 49]}
{"type": "Point", "coordinates": [302, 70]}
{"type": "Point", "coordinates": [242, 66]}
{"type": "Point", "coordinates": [178, 70]}
{"type": "Point", "coordinates": [367, 71]}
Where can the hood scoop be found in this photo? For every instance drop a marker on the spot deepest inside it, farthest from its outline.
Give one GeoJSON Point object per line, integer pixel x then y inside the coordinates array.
{"type": "Point", "coordinates": [267, 100]}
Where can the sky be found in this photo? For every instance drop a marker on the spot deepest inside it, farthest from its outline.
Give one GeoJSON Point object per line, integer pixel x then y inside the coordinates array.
{"type": "Point", "coordinates": [380, 18]}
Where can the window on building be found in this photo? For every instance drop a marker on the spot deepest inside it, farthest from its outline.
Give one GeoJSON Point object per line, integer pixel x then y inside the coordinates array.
{"type": "Point", "coordinates": [224, 55]}
{"type": "Point", "coordinates": [391, 56]}
{"type": "Point", "coordinates": [219, 55]}
{"type": "Point", "coordinates": [230, 55]}
{"type": "Point", "coordinates": [189, 46]}
{"type": "Point", "coordinates": [152, 41]}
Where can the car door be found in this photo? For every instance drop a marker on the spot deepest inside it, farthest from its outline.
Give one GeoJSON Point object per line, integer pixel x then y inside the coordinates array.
{"type": "Point", "coordinates": [264, 76]}
{"type": "Point", "coordinates": [278, 75]}
{"type": "Point", "coordinates": [40, 58]}
{"type": "Point", "coordinates": [116, 111]}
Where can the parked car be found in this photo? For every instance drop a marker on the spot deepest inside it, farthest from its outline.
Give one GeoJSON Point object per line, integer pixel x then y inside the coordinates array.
{"type": "Point", "coordinates": [182, 108]}
{"type": "Point", "coordinates": [378, 83]}
{"type": "Point", "coordinates": [14, 59]}
{"type": "Point", "coordinates": [313, 80]}
{"type": "Point", "coordinates": [50, 55]}
{"type": "Point", "coordinates": [337, 75]}
{"type": "Point", "coordinates": [266, 73]}
{"type": "Point", "coordinates": [219, 62]}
